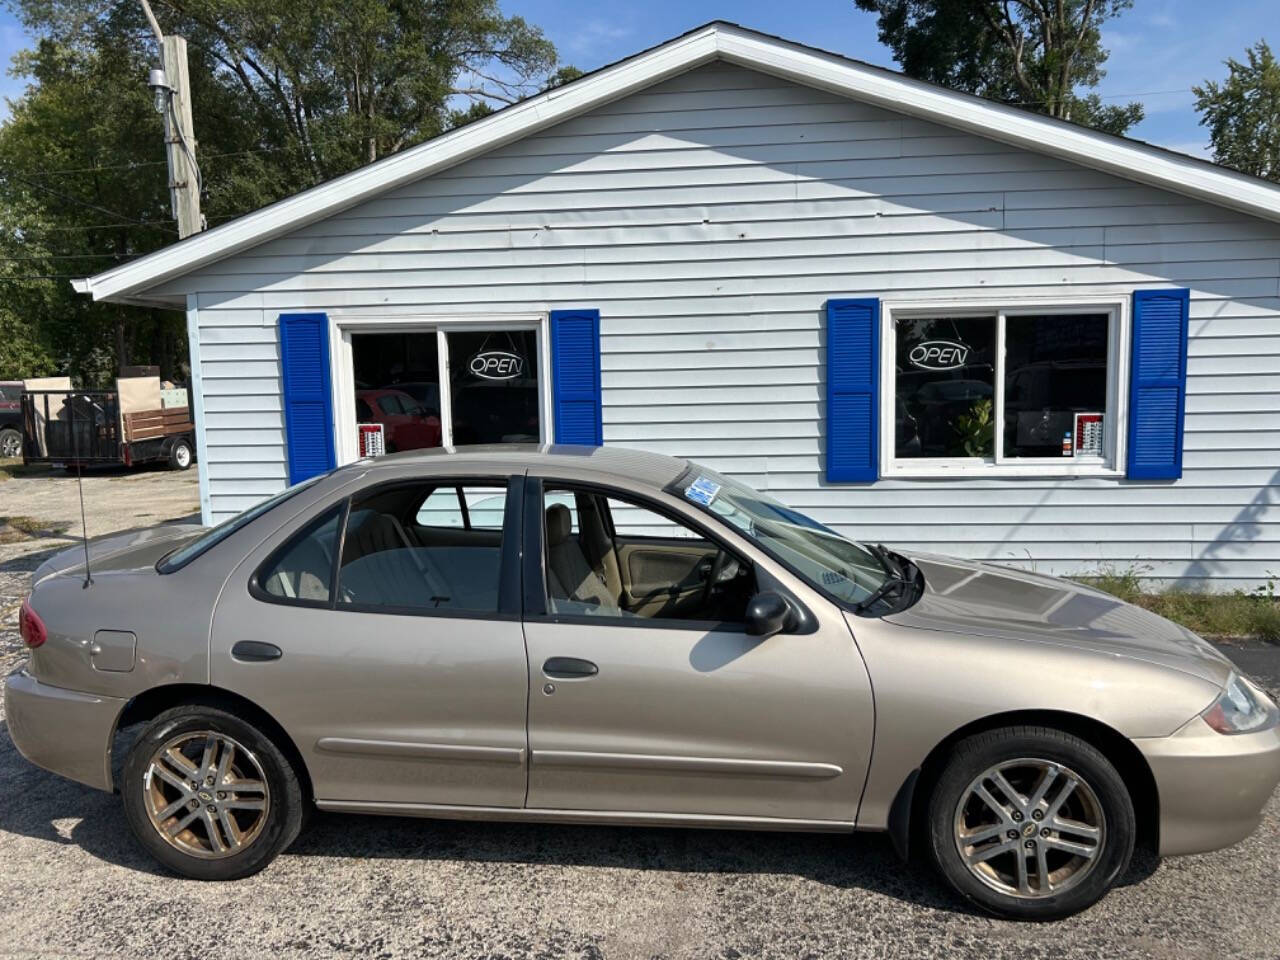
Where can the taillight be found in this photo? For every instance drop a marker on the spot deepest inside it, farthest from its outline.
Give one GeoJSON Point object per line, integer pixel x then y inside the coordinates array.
{"type": "Point", "coordinates": [30, 626]}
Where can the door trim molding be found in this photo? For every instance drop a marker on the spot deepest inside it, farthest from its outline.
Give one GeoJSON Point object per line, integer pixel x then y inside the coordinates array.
{"type": "Point", "coordinates": [619, 817]}
{"type": "Point", "coordinates": [420, 751]}
{"type": "Point", "coordinates": [718, 765]}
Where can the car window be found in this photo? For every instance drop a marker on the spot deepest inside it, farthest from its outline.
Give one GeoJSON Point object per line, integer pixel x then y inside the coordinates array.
{"type": "Point", "coordinates": [630, 521]}
{"type": "Point", "coordinates": [442, 508]}
{"type": "Point", "coordinates": [390, 404]}
{"type": "Point", "coordinates": [177, 559]}
{"type": "Point", "coordinates": [668, 571]}
{"type": "Point", "coordinates": [303, 568]}
{"type": "Point", "coordinates": [391, 561]}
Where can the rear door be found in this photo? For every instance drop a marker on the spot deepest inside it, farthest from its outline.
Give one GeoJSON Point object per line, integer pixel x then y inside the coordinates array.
{"type": "Point", "coordinates": [402, 674]}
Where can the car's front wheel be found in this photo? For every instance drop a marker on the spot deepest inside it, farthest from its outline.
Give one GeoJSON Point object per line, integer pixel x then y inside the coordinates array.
{"type": "Point", "coordinates": [1030, 823]}
{"type": "Point", "coordinates": [208, 795]}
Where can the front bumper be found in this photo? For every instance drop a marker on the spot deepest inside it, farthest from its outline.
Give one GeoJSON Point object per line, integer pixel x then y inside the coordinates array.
{"type": "Point", "coordinates": [64, 731]}
{"type": "Point", "coordinates": [1212, 787]}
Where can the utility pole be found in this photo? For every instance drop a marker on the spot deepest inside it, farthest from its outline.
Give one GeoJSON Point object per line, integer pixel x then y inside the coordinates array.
{"type": "Point", "coordinates": [172, 89]}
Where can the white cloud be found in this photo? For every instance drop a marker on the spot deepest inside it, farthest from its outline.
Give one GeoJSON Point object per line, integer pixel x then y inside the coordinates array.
{"type": "Point", "coordinates": [594, 34]}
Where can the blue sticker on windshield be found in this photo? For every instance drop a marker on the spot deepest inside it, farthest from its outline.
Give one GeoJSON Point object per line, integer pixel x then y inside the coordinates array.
{"type": "Point", "coordinates": [703, 491]}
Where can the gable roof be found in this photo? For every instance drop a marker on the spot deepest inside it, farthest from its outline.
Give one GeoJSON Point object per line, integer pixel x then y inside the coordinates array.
{"type": "Point", "coordinates": [719, 40]}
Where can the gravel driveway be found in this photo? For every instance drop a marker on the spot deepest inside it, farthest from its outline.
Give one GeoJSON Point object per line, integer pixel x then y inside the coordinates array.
{"type": "Point", "coordinates": [72, 883]}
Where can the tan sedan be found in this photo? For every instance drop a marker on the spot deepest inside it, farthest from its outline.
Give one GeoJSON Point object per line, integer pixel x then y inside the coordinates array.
{"type": "Point", "coordinates": [597, 635]}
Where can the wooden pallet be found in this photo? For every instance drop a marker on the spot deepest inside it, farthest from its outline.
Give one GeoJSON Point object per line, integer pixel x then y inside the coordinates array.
{"type": "Point", "coordinates": [150, 424]}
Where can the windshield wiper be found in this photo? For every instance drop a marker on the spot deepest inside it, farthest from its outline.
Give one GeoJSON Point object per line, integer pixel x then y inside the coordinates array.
{"type": "Point", "coordinates": [898, 577]}
{"type": "Point", "coordinates": [887, 560]}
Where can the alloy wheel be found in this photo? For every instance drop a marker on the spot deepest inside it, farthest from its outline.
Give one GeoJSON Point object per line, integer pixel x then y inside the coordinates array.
{"type": "Point", "coordinates": [1030, 828]}
{"type": "Point", "coordinates": [206, 795]}
{"type": "Point", "coordinates": [10, 445]}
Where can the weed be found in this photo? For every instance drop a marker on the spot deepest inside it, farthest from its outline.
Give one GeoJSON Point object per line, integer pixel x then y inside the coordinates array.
{"type": "Point", "coordinates": [1235, 614]}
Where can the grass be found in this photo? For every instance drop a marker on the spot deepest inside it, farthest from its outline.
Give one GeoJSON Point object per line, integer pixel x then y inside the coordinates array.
{"type": "Point", "coordinates": [15, 468]}
{"type": "Point", "coordinates": [1234, 614]}
{"type": "Point", "coordinates": [18, 529]}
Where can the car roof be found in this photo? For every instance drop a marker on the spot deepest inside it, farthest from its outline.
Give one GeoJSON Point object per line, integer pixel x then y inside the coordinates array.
{"type": "Point", "coordinates": [567, 460]}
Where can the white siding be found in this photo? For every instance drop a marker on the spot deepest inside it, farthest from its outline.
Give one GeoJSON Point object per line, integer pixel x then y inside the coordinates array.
{"type": "Point", "coordinates": [709, 219]}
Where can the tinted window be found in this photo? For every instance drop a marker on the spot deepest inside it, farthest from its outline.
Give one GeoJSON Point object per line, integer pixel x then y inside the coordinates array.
{"type": "Point", "coordinates": [303, 568]}
{"type": "Point", "coordinates": [945, 370]}
{"type": "Point", "coordinates": [1055, 385]}
{"type": "Point", "coordinates": [181, 557]}
{"type": "Point", "coordinates": [392, 560]}
{"type": "Point", "coordinates": [389, 404]}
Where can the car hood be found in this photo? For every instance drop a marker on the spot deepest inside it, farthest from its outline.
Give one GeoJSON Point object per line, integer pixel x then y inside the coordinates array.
{"type": "Point", "coordinates": [120, 552]}
{"type": "Point", "coordinates": [984, 600]}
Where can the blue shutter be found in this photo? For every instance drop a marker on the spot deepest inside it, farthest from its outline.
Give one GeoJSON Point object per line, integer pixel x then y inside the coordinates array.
{"type": "Point", "coordinates": [308, 398]}
{"type": "Point", "coordinates": [575, 376]}
{"type": "Point", "coordinates": [1158, 384]}
{"type": "Point", "coordinates": [853, 394]}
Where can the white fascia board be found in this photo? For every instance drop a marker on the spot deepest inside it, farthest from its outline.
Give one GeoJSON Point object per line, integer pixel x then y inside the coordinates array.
{"type": "Point", "coordinates": [513, 123]}
{"type": "Point", "coordinates": [1115, 155]}
{"type": "Point", "coordinates": [1128, 159]}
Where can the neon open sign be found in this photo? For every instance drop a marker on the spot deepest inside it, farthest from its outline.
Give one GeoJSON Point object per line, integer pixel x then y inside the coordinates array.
{"type": "Point", "coordinates": [497, 365]}
{"type": "Point", "coordinates": [939, 355]}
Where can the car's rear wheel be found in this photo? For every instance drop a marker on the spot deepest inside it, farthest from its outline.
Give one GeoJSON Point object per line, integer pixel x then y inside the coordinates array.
{"type": "Point", "coordinates": [210, 796]}
{"type": "Point", "coordinates": [1030, 823]}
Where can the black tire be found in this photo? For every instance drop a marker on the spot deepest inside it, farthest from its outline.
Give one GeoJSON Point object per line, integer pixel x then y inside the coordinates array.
{"type": "Point", "coordinates": [282, 820]}
{"type": "Point", "coordinates": [180, 454]}
{"type": "Point", "coordinates": [10, 443]}
{"type": "Point", "coordinates": [970, 759]}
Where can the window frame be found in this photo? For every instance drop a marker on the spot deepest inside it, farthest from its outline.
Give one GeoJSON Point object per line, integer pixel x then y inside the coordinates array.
{"type": "Point", "coordinates": [509, 555]}
{"type": "Point", "coordinates": [1112, 463]}
{"type": "Point", "coordinates": [535, 594]}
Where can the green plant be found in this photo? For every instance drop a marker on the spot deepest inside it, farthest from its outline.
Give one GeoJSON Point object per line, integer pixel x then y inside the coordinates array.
{"type": "Point", "coordinates": [975, 430]}
{"type": "Point", "coordinates": [1124, 583]}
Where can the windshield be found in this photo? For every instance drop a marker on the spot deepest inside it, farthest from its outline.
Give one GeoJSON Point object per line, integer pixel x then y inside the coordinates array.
{"type": "Point", "coordinates": [831, 563]}
{"type": "Point", "coordinates": [183, 555]}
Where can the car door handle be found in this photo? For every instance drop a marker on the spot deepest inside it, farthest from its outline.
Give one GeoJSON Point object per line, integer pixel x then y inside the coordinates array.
{"type": "Point", "coordinates": [255, 651]}
{"type": "Point", "coordinates": [569, 668]}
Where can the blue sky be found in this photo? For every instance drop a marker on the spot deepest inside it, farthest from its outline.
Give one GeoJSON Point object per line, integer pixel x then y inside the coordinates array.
{"type": "Point", "coordinates": [1159, 49]}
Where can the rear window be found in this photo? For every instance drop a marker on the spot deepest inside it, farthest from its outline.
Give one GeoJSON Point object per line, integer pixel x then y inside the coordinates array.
{"type": "Point", "coordinates": [183, 555]}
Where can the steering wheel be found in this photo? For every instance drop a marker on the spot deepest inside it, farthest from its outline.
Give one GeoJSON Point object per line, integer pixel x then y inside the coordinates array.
{"type": "Point", "coordinates": [717, 568]}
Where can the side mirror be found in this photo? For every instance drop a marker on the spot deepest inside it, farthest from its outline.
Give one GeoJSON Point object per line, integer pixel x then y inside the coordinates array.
{"type": "Point", "coordinates": [767, 613]}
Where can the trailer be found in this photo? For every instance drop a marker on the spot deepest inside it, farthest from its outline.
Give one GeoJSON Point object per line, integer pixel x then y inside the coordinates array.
{"type": "Point", "coordinates": [136, 423]}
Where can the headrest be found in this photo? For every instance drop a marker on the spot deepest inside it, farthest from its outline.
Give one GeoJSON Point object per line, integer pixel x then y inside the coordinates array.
{"type": "Point", "coordinates": [559, 524]}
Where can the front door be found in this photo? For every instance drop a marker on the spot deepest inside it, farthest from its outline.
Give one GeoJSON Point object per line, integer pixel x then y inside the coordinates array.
{"type": "Point", "coordinates": [405, 681]}
{"type": "Point", "coordinates": [646, 694]}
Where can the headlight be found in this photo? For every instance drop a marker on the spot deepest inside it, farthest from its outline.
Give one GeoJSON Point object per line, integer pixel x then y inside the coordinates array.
{"type": "Point", "coordinates": [1242, 708]}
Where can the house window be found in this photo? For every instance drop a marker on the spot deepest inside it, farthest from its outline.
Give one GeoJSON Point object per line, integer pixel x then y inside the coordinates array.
{"type": "Point", "coordinates": [1006, 390]}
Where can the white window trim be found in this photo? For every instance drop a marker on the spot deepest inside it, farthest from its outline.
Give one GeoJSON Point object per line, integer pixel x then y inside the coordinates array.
{"type": "Point", "coordinates": [1115, 424]}
{"type": "Point", "coordinates": [346, 443]}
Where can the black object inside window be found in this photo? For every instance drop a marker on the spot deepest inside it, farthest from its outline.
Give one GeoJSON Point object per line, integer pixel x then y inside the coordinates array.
{"type": "Point", "coordinates": [1055, 368]}
{"type": "Point", "coordinates": [945, 388]}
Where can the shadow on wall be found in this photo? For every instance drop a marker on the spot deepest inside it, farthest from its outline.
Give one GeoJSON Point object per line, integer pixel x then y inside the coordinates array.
{"type": "Point", "coordinates": [1245, 527]}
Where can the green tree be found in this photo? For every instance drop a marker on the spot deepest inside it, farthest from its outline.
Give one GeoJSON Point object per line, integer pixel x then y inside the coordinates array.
{"type": "Point", "coordinates": [286, 94]}
{"type": "Point", "coordinates": [1243, 114]}
{"type": "Point", "coordinates": [1035, 53]}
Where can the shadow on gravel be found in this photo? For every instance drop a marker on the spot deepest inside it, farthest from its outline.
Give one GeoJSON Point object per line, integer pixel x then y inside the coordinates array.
{"type": "Point", "coordinates": [27, 562]}
{"type": "Point", "coordinates": [37, 804]}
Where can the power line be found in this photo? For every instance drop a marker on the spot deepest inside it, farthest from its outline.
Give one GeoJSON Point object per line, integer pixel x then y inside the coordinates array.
{"type": "Point", "coordinates": [65, 196]}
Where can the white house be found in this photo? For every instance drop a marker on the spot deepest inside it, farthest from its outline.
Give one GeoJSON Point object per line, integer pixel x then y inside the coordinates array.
{"type": "Point", "coordinates": [926, 319]}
